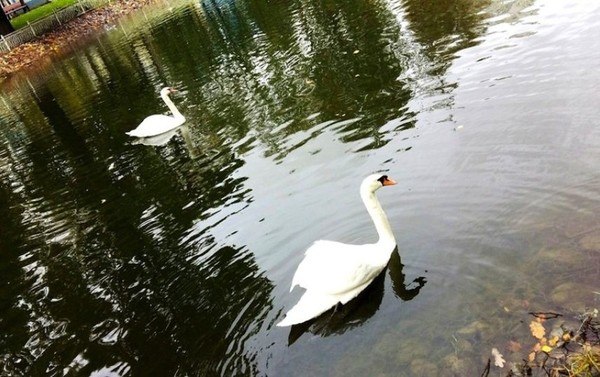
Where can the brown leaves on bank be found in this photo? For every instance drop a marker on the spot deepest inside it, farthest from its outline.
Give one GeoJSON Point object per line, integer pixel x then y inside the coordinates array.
{"type": "Point", "coordinates": [56, 41]}
{"type": "Point", "coordinates": [559, 349]}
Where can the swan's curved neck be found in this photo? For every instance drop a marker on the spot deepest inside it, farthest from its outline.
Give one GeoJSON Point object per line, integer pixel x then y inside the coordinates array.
{"type": "Point", "coordinates": [382, 225]}
{"type": "Point", "coordinates": [171, 105]}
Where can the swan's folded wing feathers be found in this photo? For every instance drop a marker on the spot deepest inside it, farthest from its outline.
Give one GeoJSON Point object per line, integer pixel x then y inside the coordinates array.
{"type": "Point", "coordinates": [310, 305]}
{"type": "Point", "coordinates": [154, 125]}
{"type": "Point", "coordinates": [335, 268]}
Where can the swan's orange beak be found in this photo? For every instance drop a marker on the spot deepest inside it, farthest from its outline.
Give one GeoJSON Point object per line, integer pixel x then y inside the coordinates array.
{"type": "Point", "coordinates": [389, 182]}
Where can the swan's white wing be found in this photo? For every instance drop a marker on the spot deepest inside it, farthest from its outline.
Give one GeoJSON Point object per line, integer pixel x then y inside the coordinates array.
{"type": "Point", "coordinates": [155, 125]}
{"type": "Point", "coordinates": [335, 268]}
{"type": "Point", "coordinates": [331, 272]}
{"type": "Point", "coordinates": [311, 304]}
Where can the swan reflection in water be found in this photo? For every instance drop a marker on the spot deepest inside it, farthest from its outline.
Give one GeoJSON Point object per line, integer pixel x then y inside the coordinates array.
{"type": "Point", "coordinates": [158, 140]}
{"type": "Point", "coordinates": [353, 314]}
{"type": "Point", "coordinates": [164, 138]}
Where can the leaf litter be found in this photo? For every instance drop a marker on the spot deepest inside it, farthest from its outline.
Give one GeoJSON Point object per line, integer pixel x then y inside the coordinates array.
{"type": "Point", "coordinates": [559, 350]}
{"type": "Point", "coordinates": [55, 41]}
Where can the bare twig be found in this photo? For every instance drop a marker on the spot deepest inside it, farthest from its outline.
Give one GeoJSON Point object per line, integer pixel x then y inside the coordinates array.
{"type": "Point", "coordinates": [526, 370]}
{"type": "Point", "coordinates": [486, 371]}
{"type": "Point", "coordinates": [584, 326]}
{"type": "Point", "coordinates": [545, 315]}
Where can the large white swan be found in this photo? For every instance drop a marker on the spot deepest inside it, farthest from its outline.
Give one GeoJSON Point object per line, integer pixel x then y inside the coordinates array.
{"type": "Point", "coordinates": [158, 124]}
{"type": "Point", "coordinates": [334, 272]}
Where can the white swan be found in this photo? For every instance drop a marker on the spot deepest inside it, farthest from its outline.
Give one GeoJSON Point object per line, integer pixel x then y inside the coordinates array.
{"type": "Point", "coordinates": [334, 272]}
{"type": "Point", "coordinates": [158, 124]}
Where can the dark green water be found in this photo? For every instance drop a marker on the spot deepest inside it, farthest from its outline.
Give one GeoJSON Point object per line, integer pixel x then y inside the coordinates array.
{"type": "Point", "coordinates": [125, 259]}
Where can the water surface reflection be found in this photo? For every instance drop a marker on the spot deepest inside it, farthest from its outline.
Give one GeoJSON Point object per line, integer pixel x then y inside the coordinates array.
{"type": "Point", "coordinates": [173, 257]}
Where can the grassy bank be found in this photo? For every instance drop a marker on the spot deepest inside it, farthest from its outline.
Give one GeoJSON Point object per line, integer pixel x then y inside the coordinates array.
{"type": "Point", "coordinates": [40, 12]}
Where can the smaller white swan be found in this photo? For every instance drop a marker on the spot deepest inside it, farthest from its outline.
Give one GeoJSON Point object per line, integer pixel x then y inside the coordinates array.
{"type": "Point", "coordinates": [334, 272]}
{"type": "Point", "coordinates": [159, 124]}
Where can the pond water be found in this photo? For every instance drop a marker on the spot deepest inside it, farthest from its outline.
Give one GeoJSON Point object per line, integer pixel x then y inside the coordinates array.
{"type": "Point", "coordinates": [119, 258]}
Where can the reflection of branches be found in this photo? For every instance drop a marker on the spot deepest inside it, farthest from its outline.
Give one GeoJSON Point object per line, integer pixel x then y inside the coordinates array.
{"type": "Point", "coordinates": [13, 234]}
{"type": "Point", "coordinates": [102, 280]}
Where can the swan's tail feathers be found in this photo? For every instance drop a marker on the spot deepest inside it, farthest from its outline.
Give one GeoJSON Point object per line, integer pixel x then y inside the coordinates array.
{"type": "Point", "coordinates": [310, 306]}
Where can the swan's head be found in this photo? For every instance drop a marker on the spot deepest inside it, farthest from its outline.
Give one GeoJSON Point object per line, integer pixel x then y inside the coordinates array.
{"type": "Point", "coordinates": [376, 181]}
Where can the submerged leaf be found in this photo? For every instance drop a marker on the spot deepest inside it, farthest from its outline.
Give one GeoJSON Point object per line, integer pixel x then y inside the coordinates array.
{"type": "Point", "coordinates": [514, 346]}
{"type": "Point", "coordinates": [498, 358]}
{"type": "Point", "coordinates": [553, 341]}
{"type": "Point", "coordinates": [537, 330]}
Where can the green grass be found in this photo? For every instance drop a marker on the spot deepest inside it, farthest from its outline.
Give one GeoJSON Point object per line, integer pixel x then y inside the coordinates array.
{"type": "Point", "coordinates": [39, 12]}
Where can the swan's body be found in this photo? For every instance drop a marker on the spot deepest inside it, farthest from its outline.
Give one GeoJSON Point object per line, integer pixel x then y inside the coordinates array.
{"type": "Point", "coordinates": [158, 124]}
{"type": "Point", "coordinates": [334, 272]}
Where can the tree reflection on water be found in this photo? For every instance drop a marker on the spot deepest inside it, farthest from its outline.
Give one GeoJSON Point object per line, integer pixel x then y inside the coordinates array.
{"type": "Point", "coordinates": [96, 271]}
{"type": "Point", "coordinates": [110, 253]}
